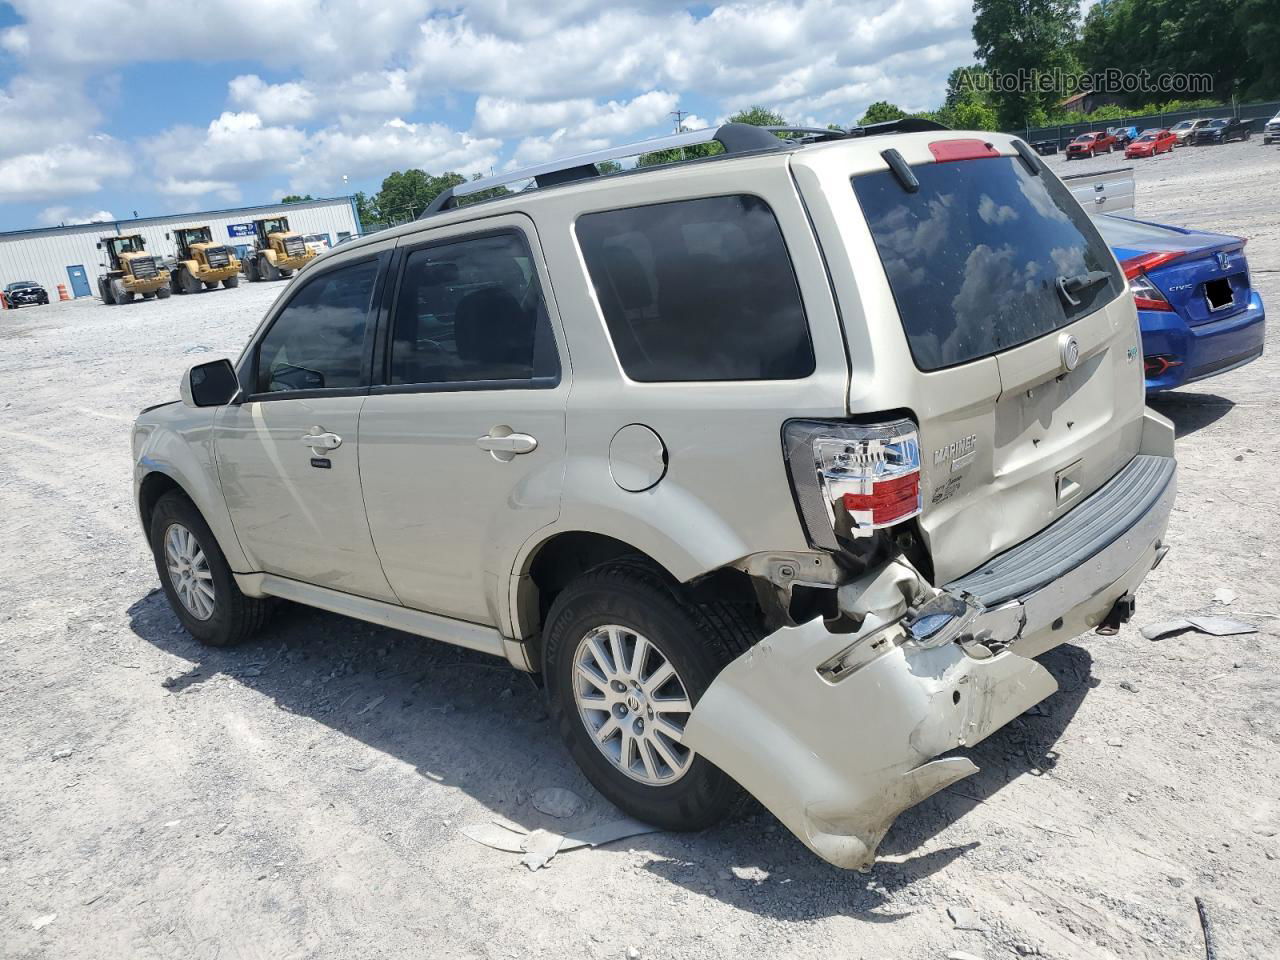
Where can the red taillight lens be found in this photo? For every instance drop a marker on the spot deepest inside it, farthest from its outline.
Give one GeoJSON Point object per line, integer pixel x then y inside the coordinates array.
{"type": "Point", "coordinates": [888, 500]}
{"type": "Point", "coordinates": [946, 151]}
{"type": "Point", "coordinates": [1149, 261]}
{"type": "Point", "coordinates": [1146, 295]}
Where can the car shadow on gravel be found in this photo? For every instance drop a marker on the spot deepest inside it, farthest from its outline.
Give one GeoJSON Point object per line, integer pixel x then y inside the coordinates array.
{"type": "Point", "coordinates": [467, 720]}
{"type": "Point", "coordinates": [1190, 411]}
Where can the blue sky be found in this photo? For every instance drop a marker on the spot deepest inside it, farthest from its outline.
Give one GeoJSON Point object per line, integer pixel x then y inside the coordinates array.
{"type": "Point", "coordinates": [243, 103]}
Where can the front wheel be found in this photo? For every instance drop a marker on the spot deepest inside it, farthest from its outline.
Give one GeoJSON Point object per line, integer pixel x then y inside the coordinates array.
{"type": "Point", "coordinates": [196, 578]}
{"type": "Point", "coordinates": [626, 658]}
{"type": "Point", "coordinates": [163, 293]}
{"type": "Point", "coordinates": [120, 293]}
{"type": "Point", "coordinates": [231, 282]}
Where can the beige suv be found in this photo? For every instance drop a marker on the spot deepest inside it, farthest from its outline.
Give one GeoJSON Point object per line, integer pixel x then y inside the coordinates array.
{"type": "Point", "coordinates": [779, 462]}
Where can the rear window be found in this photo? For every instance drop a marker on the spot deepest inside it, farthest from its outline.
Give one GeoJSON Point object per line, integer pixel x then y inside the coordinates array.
{"type": "Point", "coordinates": [975, 255]}
{"type": "Point", "coordinates": [698, 290]}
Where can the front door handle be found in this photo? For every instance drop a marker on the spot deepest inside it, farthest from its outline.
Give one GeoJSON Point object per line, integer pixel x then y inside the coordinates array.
{"type": "Point", "coordinates": [319, 439]}
{"type": "Point", "coordinates": [506, 446]}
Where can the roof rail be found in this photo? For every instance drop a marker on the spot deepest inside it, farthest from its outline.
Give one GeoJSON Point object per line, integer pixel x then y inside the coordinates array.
{"type": "Point", "coordinates": [736, 138]}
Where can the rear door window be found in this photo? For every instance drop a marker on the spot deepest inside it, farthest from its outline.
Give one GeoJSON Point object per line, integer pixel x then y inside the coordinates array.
{"type": "Point", "coordinates": [975, 256]}
{"type": "Point", "coordinates": [698, 290]}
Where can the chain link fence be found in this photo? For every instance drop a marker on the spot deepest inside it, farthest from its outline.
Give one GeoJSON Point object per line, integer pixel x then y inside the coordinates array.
{"type": "Point", "coordinates": [1255, 114]}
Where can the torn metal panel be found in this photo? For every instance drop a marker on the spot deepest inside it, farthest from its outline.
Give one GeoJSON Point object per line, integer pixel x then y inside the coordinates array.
{"type": "Point", "coordinates": [837, 760]}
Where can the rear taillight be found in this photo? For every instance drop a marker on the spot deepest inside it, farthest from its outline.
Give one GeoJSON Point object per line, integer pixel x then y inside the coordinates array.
{"type": "Point", "coordinates": [1146, 295]}
{"type": "Point", "coordinates": [851, 480]}
{"type": "Point", "coordinates": [1157, 364]}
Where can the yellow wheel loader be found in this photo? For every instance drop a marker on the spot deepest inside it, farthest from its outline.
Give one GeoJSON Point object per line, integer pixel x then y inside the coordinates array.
{"type": "Point", "coordinates": [277, 250]}
{"type": "Point", "coordinates": [202, 264]}
{"type": "Point", "coordinates": [130, 271]}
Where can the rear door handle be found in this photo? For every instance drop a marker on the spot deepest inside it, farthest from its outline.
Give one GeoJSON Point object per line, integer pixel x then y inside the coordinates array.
{"type": "Point", "coordinates": [319, 439]}
{"type": "Point", "coordinates": [510, 444]}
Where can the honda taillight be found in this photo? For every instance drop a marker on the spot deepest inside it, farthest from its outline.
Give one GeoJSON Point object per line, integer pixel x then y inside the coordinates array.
{"type": "Point", "coordinates": [1146, 295]}
{"type": "Point", "coordinates": [851, 480]}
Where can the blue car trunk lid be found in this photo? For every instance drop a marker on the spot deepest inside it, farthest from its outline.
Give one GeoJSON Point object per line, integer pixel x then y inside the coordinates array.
{"type": "Point", "coordinates": [1207, 281]}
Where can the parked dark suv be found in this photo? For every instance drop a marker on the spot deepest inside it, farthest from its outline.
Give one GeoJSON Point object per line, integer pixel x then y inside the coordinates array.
{"type": "Point", "coordinates": [1220, 131]}
{"type": "Point", "coordinates": [23, 293]}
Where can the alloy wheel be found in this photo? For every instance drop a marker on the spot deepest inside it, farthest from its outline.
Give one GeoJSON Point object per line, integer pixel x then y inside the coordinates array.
{"type": "Point", "coordinates": [189, 571]}
{"type": "Point", "coordinates": [633, 703]}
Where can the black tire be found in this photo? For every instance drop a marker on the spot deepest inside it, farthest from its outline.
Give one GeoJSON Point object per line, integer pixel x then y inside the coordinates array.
{"type": "Point", "coordinates": [104, 291]}
{"type": "Point", "coordinates": [120, 293]}
{"type": "Point", "coordinates": [286, 274]}
{"type": "Point", "coordinates": [235, 617]}
{"type": "Point", "coordinates": [251, 271]}
{"type": "Point", "coordinates": [266, 269]}
{"type": "Point", "coordinates": [210, 284]}
{"type": "Point", "coordinates": [231, 282]}
{"type": "Point", "coordinates": [699, 640]}
{"type": "Point", "coordinates": [163, 293]}
{"type": "Point", "coordinates": [186, 282]}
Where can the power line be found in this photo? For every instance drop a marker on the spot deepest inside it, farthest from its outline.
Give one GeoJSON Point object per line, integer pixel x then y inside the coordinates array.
{"type": "Point", "coordinates": [679, 116]}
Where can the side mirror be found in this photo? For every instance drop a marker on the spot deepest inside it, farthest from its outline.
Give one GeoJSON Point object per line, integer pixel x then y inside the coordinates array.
{"type": "Point", "coordinates": [167, 237]}
{"type": "Point", "coordinates": [209, 384]}
{"type": "Point", "coordinates": [99, 244]}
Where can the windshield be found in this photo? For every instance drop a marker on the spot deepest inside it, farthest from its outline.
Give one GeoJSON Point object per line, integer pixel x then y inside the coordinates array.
{"type": "Point", "coordinates": [1084, 138]}
{"type": "Point", "coordinates": [129, 245]}
{"type": "Point", "coordinates": [975, 256]}
{"type": "Point", "coordinates": [1146, 137]}
{"type": "Point", "coordinates": [276, 225]}
{"type": "Point", "coordinates": [23, 284]}
{"type": "Point", "coordinates": [1184, 125]}
{"type": "Point", "coordinates": [1217, 123]}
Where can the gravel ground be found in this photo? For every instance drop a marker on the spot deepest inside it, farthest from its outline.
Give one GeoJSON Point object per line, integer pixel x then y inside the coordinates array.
{"type": "Point", "coordinates": [302, 796]}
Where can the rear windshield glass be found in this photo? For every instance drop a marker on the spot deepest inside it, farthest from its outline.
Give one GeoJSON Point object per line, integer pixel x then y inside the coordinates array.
{"type": "Point", "coordinates": [975, 256]}
{"type": "Point", "coordinates": [698, 290]}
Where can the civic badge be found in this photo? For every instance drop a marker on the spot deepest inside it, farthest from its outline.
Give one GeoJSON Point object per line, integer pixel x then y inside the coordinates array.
{"type": "Point", "coordinates": [1069, 349]}
{"type": "Point", "coordinates": [1224, 260]}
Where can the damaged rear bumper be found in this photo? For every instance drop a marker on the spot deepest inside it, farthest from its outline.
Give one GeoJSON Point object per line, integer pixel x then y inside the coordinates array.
{"type": "Point", "coordinates": [837, 733]}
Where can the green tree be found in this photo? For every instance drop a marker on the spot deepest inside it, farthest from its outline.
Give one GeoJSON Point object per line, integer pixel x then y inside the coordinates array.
{"type": "Point", "coordinates": [1259, 25]}
{"type": "Point", "coordinates": [295, 198]}
{"type": "Point", "coordinates": [405, 194]}
{"type": "Point", "coordinates": [367, 210]}
{"type": "Point", "coordinates": [880, 112]}
{"type": "Point", "coordinates": [1020, 39]}
{"type": "Point", "coordinates": [759, 116]}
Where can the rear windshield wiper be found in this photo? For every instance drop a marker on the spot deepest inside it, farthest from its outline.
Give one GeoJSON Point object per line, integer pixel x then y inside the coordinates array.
{"type": "Point", "coordinates": [1078, 282]}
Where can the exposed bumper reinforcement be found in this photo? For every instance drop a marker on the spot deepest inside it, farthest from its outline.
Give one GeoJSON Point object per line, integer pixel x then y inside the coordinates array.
{"type": "Point", "coordinates": [837, 734]}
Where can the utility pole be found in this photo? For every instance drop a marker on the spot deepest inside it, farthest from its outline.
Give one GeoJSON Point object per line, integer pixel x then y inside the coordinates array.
{"type": "Point", "coordinates": [678, 116]}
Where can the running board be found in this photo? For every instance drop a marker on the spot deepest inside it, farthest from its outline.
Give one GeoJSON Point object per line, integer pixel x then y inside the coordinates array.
{"type": "Point", "coordinates": [473, 636]}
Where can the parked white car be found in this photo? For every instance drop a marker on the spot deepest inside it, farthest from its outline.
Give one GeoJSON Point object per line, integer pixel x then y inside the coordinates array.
{"type": "Point", "coordinates": [780, 466]}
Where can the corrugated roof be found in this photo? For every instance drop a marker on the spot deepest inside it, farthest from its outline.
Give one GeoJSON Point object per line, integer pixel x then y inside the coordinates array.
{"type": "Point", "coordinates": [137, 221]}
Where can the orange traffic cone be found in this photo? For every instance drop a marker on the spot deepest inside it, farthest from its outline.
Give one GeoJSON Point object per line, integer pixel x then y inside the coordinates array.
{"type": "Point", "coordinates": [4, 301]}
{"type": "Point", "coordinates": [62, 292]}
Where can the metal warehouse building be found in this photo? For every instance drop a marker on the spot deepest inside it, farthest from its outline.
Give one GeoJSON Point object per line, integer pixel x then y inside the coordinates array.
{"type": "Point", "coordinates": [70, 256]}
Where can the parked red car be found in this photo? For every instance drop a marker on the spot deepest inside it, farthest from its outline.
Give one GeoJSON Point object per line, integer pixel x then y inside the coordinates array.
{"type": "Point", "coordinates": [1090, 145]}
{"type": "Point", "coordinates": [1151, 143]}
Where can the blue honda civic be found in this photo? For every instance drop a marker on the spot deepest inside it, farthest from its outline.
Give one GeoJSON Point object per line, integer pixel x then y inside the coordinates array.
{"type": "Point", "coordinates": [1198, 313]}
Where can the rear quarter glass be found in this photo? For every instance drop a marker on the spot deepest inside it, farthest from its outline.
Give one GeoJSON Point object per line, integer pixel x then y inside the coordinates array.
{"type": "Point", "coordinates": [973, 257]}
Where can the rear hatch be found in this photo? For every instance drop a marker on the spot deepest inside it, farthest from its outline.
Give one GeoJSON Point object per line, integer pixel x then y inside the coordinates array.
{"type": "Point", "coordinates": [1204, 276]}
{"type": "Point", "coordinates": [1028, 396]}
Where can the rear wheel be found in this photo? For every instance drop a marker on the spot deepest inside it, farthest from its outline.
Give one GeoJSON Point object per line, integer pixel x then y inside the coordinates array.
{"type": "Point", "coordinates": [196, 578]}
{"type": "Point", "coordinates": [626, 658]}
{"type": "Point", "coordinates": [149, 295]}
{"type": "Point", "coordinates": [231, 282]}
{"type": "Point", "coordinates": [286, 274]}
{"type": "Point", "coordinates": [163, 293]}
{"type": "Point", "coordinates": [104, 291]}
{"type": "Point", "coordinates": [251, 271]}
{"type": "Point", "coordinates": [186, 282]}
{"type": "Point", "coordinates": [211, 284]}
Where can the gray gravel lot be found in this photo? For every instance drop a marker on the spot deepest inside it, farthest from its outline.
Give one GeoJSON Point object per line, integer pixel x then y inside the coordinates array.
{"type": "Point", "coordinates": [302, 796]}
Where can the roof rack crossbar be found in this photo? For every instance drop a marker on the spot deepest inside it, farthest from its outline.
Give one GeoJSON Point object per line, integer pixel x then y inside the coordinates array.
{"type": "Point", "coordinates": [734, 137]}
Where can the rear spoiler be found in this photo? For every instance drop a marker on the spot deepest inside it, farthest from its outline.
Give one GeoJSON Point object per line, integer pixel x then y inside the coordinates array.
{"type": "Point", "coordinates": [1105, 191]}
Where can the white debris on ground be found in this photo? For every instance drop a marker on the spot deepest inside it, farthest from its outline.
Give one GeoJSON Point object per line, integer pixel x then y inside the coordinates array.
{"type": "Point", "coordinates": [312, 824]}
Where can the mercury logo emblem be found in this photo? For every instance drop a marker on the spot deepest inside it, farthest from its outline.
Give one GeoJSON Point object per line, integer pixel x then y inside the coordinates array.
{"type": "Point", "coordinates": [1069, 347]}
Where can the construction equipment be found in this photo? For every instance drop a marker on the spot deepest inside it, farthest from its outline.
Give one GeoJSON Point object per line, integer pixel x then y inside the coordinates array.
{"type": "Point", "coordinates": [130, 271]}
{"type": "Point", "coordinates": [277, 251]}
{"type": "Point", "coordinates": [201, 262]}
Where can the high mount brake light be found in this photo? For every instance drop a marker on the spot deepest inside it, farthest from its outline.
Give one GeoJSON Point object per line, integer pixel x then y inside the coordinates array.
{"type": "Point", "coordinates": [945, 151]}
{"type": "Point", "coordinates": [1146, 295]}
{"type": "Point", "coordinates": [852, 480]}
